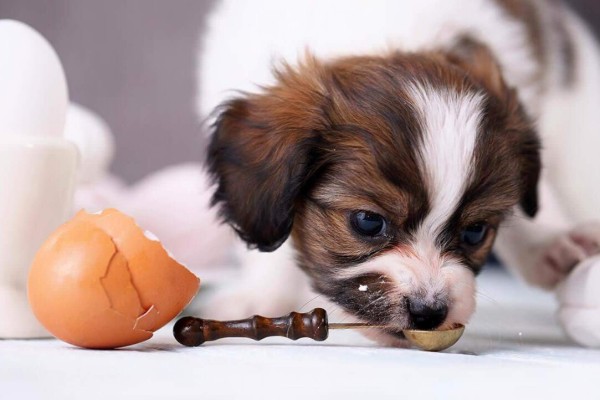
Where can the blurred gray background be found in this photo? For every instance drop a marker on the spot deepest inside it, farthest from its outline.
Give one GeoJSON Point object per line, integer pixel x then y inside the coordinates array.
{"type": "Point", "coordinates": [133, 63]}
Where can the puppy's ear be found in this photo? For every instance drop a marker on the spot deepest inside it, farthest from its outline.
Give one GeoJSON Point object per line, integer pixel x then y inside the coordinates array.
{"type": "Point", "coordinates": [262, 153]}
{"type": "Point", "coordinates": [531, 167]}
{"type": "Point", "coordinates": [479, 63]}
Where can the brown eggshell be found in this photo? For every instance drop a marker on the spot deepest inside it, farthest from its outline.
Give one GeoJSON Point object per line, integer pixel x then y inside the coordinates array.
{"type": "Point", "coordinates": [100, 282]}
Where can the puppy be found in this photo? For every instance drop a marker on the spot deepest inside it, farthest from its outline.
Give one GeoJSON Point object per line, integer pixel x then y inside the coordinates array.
{"type": "Point", "coordinates": [393, 143]}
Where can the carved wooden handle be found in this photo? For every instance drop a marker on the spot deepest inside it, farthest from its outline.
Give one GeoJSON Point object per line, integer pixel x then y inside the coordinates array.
{"type": "Point", "coordinates": [190, 331]}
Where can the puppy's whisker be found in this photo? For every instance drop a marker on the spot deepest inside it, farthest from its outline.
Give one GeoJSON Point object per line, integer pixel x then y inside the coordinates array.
{"type": "Point", "coordinates": [487, 297]}
{"type": "Point", "coordinates": [479, 292]}
{"type": "Point", "coordinates": [310, 301]}
{"type": "Point", "coordinates": [333, 310]}
{"type": "Point", "coordinates": [374, 302]}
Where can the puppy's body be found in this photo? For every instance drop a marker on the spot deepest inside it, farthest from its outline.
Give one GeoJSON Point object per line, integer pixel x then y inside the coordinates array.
{"type": "Point", "coordinates": [435, 79]}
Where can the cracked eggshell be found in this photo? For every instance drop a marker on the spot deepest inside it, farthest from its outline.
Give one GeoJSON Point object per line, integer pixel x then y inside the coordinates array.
{"type": "Point", "coordinates": [100, 282]}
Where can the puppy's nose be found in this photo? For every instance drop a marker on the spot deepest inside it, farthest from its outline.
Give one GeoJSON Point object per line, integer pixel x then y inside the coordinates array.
{"type": "Point", "coordinates": [425, 316]}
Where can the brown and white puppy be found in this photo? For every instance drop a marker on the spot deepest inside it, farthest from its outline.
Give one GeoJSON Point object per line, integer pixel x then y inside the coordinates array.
{"type": "Point", "coordinates": [391, 170]}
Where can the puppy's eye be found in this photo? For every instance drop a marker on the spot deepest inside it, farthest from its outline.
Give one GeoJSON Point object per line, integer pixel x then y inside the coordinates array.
{"type": "Point", "coordinates": [474, 235]}
{"type": "Point", "coordinates": [367, 223]}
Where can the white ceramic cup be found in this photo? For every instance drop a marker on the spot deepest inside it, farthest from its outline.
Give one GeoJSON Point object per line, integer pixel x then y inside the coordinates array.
{"type": "Point", "coordinates": [37, 179]}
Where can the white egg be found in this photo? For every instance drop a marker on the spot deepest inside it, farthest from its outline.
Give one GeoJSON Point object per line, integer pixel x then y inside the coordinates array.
{"type": "Point", "coordinates": [34, 96]}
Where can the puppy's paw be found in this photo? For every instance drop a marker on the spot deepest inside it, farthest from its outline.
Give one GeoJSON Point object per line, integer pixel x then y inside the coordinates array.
{"type": "Point", "coordinates": [587, 236]}
{"type": "Point", "coordinates": [559, 257]}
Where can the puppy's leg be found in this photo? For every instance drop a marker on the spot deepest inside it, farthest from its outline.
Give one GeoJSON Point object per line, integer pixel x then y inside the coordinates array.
{"type": "Point", "coordinates": [546, 249]}
{"type": "Point", "coordinates": [269, 284]}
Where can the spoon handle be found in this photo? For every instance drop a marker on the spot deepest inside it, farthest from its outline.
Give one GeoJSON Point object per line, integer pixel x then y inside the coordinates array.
{"type": "Point", "coordinates": [190, 331]}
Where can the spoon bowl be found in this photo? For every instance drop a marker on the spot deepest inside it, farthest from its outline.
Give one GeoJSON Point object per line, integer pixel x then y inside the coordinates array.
{"type": "Point", "coordinates": [434, 340]}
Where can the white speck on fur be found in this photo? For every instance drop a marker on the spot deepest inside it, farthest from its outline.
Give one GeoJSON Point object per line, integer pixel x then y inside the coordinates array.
{"type": "Point", "coordinates": [363, 288]}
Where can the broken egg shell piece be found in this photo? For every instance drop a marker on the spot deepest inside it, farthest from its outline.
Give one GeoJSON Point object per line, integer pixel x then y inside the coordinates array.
{"type": "Point", "coordinates": [434, 340]}
{"type": "Point", "coordinates": [98, 282]}
{"type": "Point", "coordinates": [156, 274]}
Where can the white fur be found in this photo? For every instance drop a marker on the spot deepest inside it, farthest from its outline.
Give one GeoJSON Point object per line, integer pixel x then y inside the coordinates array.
{"type": "Point", "coordinates": [449, 136]}
{"type": "Point", "coordinates": [246, 38]}
{"type": "Point", "coordinates": [579, 300]}
{"type": "Point", "coordinates": [569, 125]}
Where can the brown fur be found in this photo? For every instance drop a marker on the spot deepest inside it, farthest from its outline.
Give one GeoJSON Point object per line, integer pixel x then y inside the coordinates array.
{"type": "Point", "coordinates": [332, 138]}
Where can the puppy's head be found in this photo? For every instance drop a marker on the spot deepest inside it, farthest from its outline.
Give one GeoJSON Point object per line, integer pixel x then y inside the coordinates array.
{"type": "Point", "coordinates": [391, 173]}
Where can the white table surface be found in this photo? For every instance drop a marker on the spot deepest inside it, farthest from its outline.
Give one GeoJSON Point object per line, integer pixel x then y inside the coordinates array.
{"type": "Point", "coordinates": [512, 349]}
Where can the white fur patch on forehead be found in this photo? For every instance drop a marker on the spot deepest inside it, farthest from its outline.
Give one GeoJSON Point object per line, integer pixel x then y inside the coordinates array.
{"type": "Point", "coordinates": [450, 127]}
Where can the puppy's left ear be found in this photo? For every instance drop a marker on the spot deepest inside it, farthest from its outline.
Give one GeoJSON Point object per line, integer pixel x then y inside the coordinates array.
{"type": "Point", "coordinates": [262, 154]}
{"type": "Point", "coordinates": [480, 64]}
{"type": "Point", "coordinates": [531, 167]}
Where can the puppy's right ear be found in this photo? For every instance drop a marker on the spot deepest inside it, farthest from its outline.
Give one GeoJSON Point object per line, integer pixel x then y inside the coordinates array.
{"type": "Point", "coordinates": [262, 153]}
